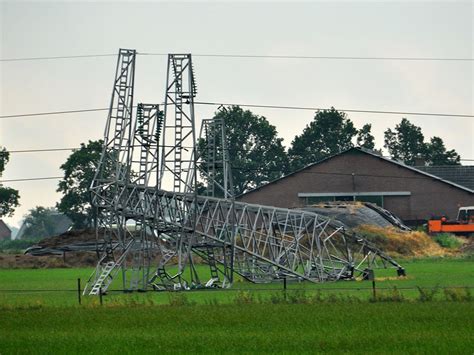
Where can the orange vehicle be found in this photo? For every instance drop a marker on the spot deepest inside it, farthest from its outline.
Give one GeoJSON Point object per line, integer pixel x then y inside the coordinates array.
{"type": "Point", "coordinates": [464, 223]}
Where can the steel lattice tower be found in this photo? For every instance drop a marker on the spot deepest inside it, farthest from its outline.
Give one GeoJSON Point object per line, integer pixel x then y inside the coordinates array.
{"type": "Point", "coordinates": [178, 155]}
{"type": "Point", "coordinates": [145, 230]}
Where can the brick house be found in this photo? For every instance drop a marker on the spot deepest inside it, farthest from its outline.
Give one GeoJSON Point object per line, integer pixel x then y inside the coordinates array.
{"type": "Point", "coordinates": [5, 232]}
{"type": "Point", "coordinates": [358, 174]}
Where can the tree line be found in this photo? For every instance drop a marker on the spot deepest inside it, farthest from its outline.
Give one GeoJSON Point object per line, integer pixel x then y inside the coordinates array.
{"type": "Point", "coordinates": [256, 153]}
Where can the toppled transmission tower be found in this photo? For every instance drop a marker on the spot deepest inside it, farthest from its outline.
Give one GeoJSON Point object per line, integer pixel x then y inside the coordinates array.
{"type": "Point", "coordinates": [153, 228]}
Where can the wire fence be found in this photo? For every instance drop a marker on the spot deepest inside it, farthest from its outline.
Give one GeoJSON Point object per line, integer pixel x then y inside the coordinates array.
{"type": "Point", "coordinates": [372, 289]}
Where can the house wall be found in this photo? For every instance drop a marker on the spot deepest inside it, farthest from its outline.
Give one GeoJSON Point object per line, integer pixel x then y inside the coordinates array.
{"type": "Point", "coordinates": [5, 232]}
{"type": "Point", "coordinates": [356, 171]}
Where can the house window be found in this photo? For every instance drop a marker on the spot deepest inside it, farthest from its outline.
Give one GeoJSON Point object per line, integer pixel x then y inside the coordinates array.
{"type": "Point", "coordinates": [378, 200]}
{"type": "Point", "coordinates": [344, 198]}
{"type": "Point", "coordinates": [314, 200]}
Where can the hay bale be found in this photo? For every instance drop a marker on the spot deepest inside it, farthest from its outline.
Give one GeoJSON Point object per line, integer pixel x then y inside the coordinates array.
{"type": "Point", "coordinates": [400, 243]}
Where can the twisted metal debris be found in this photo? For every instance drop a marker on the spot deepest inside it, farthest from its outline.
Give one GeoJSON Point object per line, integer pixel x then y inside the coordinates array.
{"type": "Point", "coordinates": [154, 238]}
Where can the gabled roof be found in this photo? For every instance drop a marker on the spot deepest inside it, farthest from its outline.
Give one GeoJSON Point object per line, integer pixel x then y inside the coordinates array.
{"type": "Point", "coordinates": [4, 227]}
{"type": "Point", "coordinates": [459, 174]}
{"type": "Point", "coordinates": [374, 154]}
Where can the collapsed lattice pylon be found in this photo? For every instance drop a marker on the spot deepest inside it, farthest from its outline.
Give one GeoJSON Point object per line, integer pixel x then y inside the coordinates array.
{"type": "Point", "coordinates": [157, 236]}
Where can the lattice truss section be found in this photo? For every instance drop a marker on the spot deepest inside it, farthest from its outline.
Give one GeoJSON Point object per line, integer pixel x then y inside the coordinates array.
{"type": "Point", "coordinates": [152, 238]}
{"type": "Point", "coordinates": [177, 160]}
{"type": "Point", "coordinates": [213, 159]}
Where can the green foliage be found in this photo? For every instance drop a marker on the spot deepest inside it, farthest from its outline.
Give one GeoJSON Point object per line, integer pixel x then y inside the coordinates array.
{"type": "Point", "coordinates": [392, 295]}
{"type": "Point", "coordinates": [16, 245]}
{"type": "Point", "coordinates": [256, 154]}
{"type": "Point", "coordinates": [329, 133]}
{"type": "Point", "coordinates": [178, 299]}
{"type": "Point", "coordinates": [9, 198]}
{"type": "Point", "coordinates": [4, 158]}
{"type": "Point", "coordinates": [447, 240]}
{"type": "Point", "coordinates": [364, 138]}
{"type": "Point", "coordinates": [427, 294]}
{"type": "Point", "coordinates": [79, 170]}
{"type": "Point", "coordinates": [244, 297]}
{"type": "Point", "coordinates": [436, 153]}
{"type": "Point", "coordinates": [39, 223]}
{"type": "Point", "coordinates": [407, 143]}
{"type": "Point", "coordinates": [458, 294]}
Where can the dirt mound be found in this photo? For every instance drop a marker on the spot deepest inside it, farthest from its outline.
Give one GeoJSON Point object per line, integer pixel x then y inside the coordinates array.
{"type": "Point", "coordinates": [400, 243]}
{"type": "Point", "coordinates": [69, 237]}
{"type": "Point", "coordinates": [354, 214]}
{"type": "Point", "coordinates": [20, 261]}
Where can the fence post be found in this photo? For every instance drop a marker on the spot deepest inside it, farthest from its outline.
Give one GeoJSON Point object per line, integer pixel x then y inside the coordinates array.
{"type": "Point", "coordinates": [373, 288]}
{"type": "Point", "coordinates": [79, 290]}
{"type": "Point", "coordinates": [100, 296]}
{"type": "Point", "coordinates": [284, 288]}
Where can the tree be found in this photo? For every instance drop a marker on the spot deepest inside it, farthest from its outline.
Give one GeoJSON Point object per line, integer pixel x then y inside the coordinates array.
{"type": "Point", "coordinates": [329, 133]}
{"type": "Point", "coordinates": [406, 142]}
{"type": "Point", "coordinates": [79, 170]}
{"type": "Point", "coordinates": [9, 198]}
{"type": "Point", "coordinates": [256, 154]}
{"type": "Point", "coordinates": [436, 153]}
{"type": "Point", "coordinates": [39, 223]}
{"type": "Point", "coordinates": [365, 139]}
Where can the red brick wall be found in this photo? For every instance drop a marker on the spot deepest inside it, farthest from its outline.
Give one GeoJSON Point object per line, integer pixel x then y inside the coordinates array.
{"type": "Point", "coordinates": [371, 174]}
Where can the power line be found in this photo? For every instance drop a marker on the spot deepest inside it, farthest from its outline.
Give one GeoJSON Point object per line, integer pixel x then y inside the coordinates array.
{"type": "Point", "coordinates": [167, 146]}
{"type": "Point", "coordinates": [33, 179]}
{"type": "Point", "coordinates": [255, 56]}
{"type": "Point", "coordinates": [245, 169]}
{"type": "Point", "coordinates": [43, 150]}
{"type": "Point", "coordinates": [341, 109]}
{"type": "Point", "coordinates": [304, 108]}
{"type": "Point", "coordinates": [57, 57]}
{"type": "Point", "coordinates": [54, 113]}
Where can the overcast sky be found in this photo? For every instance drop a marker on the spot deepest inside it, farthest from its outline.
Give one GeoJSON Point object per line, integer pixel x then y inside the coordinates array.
{"type": "Point", "coordinates": [350, 28]}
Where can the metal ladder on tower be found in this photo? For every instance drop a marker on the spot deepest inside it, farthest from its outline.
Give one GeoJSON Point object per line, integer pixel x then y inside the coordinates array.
{"type": "Point", "coordinates": [107, 273]}
{"type": "Point", "coordinates": [211, 260]}
{"type": "Point", "coordinates": [122, 99]}
{"type": "Point", "coordinates": [178, 71]}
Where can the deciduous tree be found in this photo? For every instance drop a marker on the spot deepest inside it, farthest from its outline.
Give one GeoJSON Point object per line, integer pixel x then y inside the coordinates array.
{"type": "Point", "coordinates": [365, 139]}
{"type": "Point", "coordinates": [79, 170]}
{"type": "Point", "coordinates": [329, 133]}
{"type": "Point", "coordinates": [406, 143]}
{"type": "Point", "coordinates": [256, 154]}
{"type": "Point", "coordinates": [9, 198]}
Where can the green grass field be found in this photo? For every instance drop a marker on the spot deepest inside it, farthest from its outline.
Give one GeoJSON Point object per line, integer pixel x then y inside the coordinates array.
{"type": "Point", "coordinates": [333, 317]}
{"type": "Point", "coordinates": [334, 328]}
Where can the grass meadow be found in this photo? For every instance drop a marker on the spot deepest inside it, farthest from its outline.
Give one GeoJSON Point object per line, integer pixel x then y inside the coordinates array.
{"type": "Point", "coordinates": [429, 311]}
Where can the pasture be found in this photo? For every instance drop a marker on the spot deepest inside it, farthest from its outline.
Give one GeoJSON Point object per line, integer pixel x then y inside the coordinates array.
{"type": "Point", "coordinates": [337, 317]}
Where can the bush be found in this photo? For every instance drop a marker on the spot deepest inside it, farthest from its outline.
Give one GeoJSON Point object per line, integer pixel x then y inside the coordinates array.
{"type": "Point", "coordinates": [179, 299]}
{"type": "Point", "coordinates": [297, 297]}
{"type": "Point", "coordinates": [393, 295]}
{"type": "Point", "coordinates": [427, 294]}
{"type": "Point", "coordinates": [16, 245]}
{"type": "Point", "coordinates": [244, 297]}
{"type": "Point", "coordinates": [458, 294]}
{"type": "Point", "coordinates": [447, 240]}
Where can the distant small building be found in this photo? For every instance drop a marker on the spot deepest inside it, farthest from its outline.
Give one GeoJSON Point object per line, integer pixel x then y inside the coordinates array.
{"type": "Point", "coordinates": [5, 232]}
{"type": "Point", "coordinates": [361, 175]}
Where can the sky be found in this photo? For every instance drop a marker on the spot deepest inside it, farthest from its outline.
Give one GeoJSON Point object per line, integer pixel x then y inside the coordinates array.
{"type": "Point", "coordinates": [336, 28]}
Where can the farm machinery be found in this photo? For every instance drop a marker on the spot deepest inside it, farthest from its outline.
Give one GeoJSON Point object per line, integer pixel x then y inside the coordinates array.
{"type": "Point", "coordinates": [463, 224]}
